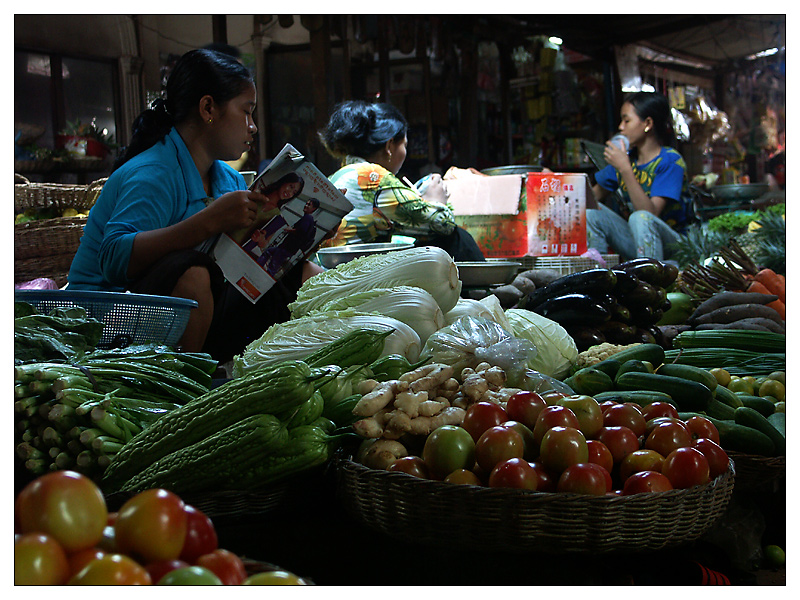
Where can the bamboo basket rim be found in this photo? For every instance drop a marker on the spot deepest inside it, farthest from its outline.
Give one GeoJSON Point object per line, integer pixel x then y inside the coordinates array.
{"type": "Point", "coordinates": [433, 512]}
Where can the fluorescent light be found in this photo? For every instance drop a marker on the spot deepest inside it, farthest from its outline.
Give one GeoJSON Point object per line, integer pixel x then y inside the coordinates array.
{"type": "Point", "coordinates": [557, 41]}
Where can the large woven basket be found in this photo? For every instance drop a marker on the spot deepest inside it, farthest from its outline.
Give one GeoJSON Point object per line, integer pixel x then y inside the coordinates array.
{"type": "Point", "coordinates": [756, 473]}
{"type": "Point", "coordinates": [432, 512]}
{"type": "Point", "coordinates": [58, 196]}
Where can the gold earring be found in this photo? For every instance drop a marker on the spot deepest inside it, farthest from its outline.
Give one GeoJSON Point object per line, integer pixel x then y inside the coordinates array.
{"type": "Point", "coordinates": [210, 120]}
{"type": "Point", "coordinates": [646, 129]}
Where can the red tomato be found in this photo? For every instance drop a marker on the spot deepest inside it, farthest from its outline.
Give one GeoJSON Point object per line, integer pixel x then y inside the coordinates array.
{"type": "Point", "coordinates": [625, 415]}
{"type": "Point", "coordinates": [667, 436]}
{"type": "Point", "coordinates": [481, 416]}
{"type": "Point", "coordinates": [700, 427]}
{"type": "Point", "coordinates": [588, 412]}
{"type": "Point", "coordinates": [514, 473]}
{"type": "Point", "coordinates": [585, 478]}
{"type": "Point", "coordinates": [65, 505]}
{"type": "Point", "coordinates": [112, 569]}
{"type": "Point", "coordinates": [604, 406]}
{"type": "Point", "coordinates": [553, 416]}
{"type": "Point", "coordinates": [463, 476]}
{"type": "Point", "coordinates": [646, 481]}
{"type": "Point", "coordinates": [599, 454]}
{"type": "Point", "coordinates": [39, 560]}
{"type": "Point", "coordinates": [640, 460]}
{"type": "Point", "coordinates": [497, 444]}
{"type": "Point", "coordinates": [659, 409]}
{"type": "Point", "coordinates": [686, 467]}
{"type": "Point", "coordinates": [546, 481]}
{"type": "Point", "coordinates": [653, 423]}
{"type": "Point", "coordinates": [525, 407]}
{"type": "Point", "coordinates": [619, 440]}
{"type": "Point", "coordinates": [159, 568]}
{"type": "Point", "coordinates": [152, 526]}
{"type": "Point", "coordinates": [447, 449]}
{"type": "Point", "coordinates": [112, 518]}
{"type": "Point", "coordinates": [562, 447]}
{"type": "Point", "coordinates": [81, 558]}
{"type": "Point", "coordinates": [717, 457]}
{"type": "Point", "coordinates": [108, 543]}
{"type": "Point", "coordinates": [531, 448]}
{"type": "Point", "coordinates": [413, 465]}
{"type": "Point", "coordinates": [201, 537]}
{"type": "Point", "coordinates": [224, 564]}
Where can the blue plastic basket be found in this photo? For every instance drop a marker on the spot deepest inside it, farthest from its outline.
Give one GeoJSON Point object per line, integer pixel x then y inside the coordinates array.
{"type": "Point", "coordinates": [127, 318]}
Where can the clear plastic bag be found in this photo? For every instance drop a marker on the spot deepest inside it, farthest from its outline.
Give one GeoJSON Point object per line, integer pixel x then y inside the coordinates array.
{"type": "Point", "coordinates": [473, 340]}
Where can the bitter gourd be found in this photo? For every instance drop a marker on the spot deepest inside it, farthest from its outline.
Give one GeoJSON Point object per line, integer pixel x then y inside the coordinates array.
{"type": "Point", "coordinates": [277, 390]}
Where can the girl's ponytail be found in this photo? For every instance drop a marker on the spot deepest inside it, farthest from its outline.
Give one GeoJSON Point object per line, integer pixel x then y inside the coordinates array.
{"type": "Point", "coordinates": [149, 128]}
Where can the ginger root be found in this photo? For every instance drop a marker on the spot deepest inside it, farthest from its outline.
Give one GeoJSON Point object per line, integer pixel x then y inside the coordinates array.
{"type": "Point", "coordinates": [425, 425]}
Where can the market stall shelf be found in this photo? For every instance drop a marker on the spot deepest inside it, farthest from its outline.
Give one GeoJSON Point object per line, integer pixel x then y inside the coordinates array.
{"type": "Point", "coordinates": [433, 512]}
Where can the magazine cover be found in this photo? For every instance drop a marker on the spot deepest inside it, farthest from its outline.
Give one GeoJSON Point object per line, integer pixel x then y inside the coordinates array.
{"type": "Point", "coordinates": [303, 208]}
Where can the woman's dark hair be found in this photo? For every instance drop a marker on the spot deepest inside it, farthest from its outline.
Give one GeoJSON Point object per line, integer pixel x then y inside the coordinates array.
{"type": "Point", "coordinates": [196, 74]}
{"type": "Point", "coordinates": [276, 185]}
{"type": "Point", "coordinates": [656, 106]}
{"type": "Point", "coordinates": [359, 128]}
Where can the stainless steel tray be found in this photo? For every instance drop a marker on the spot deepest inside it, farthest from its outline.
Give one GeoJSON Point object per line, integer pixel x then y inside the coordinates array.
{"type": "Point", "coordinates": [336, 255]}
{"type": "Point", "coordinates": [491, 272]}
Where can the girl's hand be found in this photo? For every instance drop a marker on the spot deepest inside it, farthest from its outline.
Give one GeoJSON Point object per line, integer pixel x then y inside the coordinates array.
{"type": "Point", "coordinates": [234, 210]}
{"type": "Point", "coordinates": [616, 157]}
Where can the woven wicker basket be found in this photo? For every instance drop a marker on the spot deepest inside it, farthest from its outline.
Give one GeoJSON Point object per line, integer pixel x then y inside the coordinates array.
{"type": "Point", "coordinates": [59, 196]}
{"type": "Point", "coordinates": [757, 473]}
{"type": "Point", "coordinates": [433, 512]}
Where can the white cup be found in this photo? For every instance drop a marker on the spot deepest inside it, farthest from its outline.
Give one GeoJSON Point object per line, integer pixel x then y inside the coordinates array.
{"type": "Point", "coordinates": [621, 141]}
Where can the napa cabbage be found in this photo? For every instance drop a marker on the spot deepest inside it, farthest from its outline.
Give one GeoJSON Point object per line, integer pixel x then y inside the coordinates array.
{"type": "Point", "coordinates": [555, 349]}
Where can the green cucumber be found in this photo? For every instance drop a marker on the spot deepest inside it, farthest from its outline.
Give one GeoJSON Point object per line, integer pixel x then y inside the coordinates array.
{"type": "Point", "coordinates": [589, 381]}
{"type": "Point", "coordinates": [749, 417]}
{"type": "Point", "coordinates": [688, 394]}
{"type": "Point", "coordinates": [726, 396]}
{"type": "Point", "coordinates": [741, 438]}
{"type": "Point", "coordinates": [689, 372]}
{"type": "Point", "coordinates": [778, 420]}
{"type": "Point", "coordinates": [652, 353]}
{"type": "Point", "coordinates": [763, 405]}
{"type": "Point", "coordinates": [632, 366]}
{"type": "Point", "coordinates": [640, 397]}
{"type": "Point", "coordinates": [719, 410]}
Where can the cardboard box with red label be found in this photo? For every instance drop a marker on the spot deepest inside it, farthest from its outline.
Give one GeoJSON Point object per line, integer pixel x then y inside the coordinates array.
{"type": "Point", "coordinates": [510, 216]}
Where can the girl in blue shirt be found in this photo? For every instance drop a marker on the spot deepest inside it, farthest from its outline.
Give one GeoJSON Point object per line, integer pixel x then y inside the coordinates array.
{"type": "Point", "coordinates": [655, 205]}
{"type": "Point", "coordinates": [171, 194]}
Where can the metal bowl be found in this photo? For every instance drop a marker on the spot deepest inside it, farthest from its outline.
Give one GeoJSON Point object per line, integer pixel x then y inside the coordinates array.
{"type": "Point", "coordinates": [739, 191]}
{"type": "Point", "coordinates": [512, 170]}
{"type": "Point", "coordinates": [491, 272]}
{"type": "Point", "coordinates": [336, 255]}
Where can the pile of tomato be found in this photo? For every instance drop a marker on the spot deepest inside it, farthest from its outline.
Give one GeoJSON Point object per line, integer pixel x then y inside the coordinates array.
{"type": "Point", "coordinates": [64, 534]}
{"type": "Point", "coordinates": [558, 443]}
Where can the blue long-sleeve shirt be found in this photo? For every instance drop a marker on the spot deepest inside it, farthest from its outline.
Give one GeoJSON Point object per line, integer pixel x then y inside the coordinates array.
{"type": "Point", "coordinates": [155, 189]}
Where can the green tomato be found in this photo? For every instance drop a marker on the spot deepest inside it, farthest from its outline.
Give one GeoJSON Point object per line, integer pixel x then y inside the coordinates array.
{"type": "Point", "coordinates": [447, 449]}
{"type": "Point", "coordinates": [274, 578]}
{"type": "Point", "coordinates": [740, 384]}
{"type": "Point", "coordinates": [775, 555]}
{"type": "Point", "coordinates": [192, 575]}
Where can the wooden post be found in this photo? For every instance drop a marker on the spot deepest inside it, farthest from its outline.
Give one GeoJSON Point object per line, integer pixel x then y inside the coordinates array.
{"type": "Point", "coordinates": [219, 29]}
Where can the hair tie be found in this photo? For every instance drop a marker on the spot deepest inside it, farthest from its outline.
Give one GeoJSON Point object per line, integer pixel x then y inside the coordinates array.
{"type": "Point", "coordinates": [159, 105]}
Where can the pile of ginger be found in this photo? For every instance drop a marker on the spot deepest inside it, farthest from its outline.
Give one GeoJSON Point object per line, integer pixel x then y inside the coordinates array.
{"type": "Point", "coordinates": [418, 402]}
